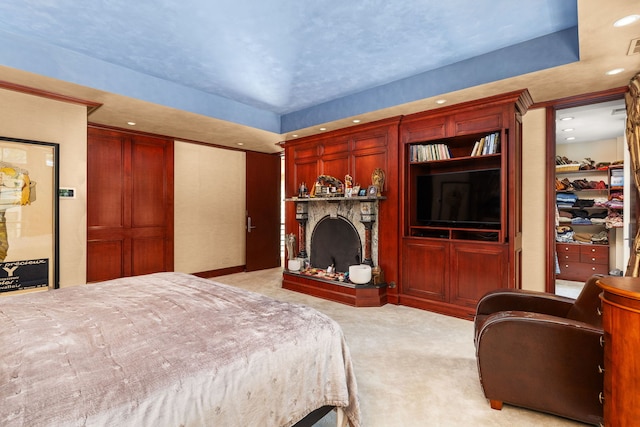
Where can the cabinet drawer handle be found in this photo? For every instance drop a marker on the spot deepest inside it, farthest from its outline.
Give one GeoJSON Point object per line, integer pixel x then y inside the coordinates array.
{"type": "Point", "coordinates": [601, 341]}
{"type": "Point", "coordinates": [600, 369]}
{"type": "Point", "coordinates": [593, 250]}
{"type": "Point", "coordinates": [593, 259]}
{"type": "Point", "coordinates": [601, 397]}
{"type": "Point", "coordinates": [566, 249]}
{"type": "Point", "coordinates": [593, 268]}
{"type": "Point", "coordinates": [599, 312]}
{"type": "Point", "coordinates": [566, 266]}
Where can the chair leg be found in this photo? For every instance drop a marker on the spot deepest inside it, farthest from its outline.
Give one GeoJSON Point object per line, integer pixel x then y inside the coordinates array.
{"type": "Point", "coordinates": [495, 404]}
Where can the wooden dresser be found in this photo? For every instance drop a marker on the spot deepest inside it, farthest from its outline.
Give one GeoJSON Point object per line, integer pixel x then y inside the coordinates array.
{"type": "Point", "coordinates": [621, 324]}
{"type": "Point", "coordinates": [580, 261]}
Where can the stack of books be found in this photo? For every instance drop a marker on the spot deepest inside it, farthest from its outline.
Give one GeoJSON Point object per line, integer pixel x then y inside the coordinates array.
{"type": "Point", "coordinates": [428, 152]}
{"type": "Point", "coordinates": [489, 144]}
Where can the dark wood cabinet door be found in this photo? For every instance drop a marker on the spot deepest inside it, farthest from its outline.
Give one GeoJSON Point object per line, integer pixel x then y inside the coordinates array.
{"type": "Point", "coordinates": [129, 204]}
{"type": "Point", "coordinates": [479, 268]}
{"type": "Point", "coordinates": [425, 269]}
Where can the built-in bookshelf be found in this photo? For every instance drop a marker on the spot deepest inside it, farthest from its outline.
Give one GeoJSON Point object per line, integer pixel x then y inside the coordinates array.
{"type": "Point", "coordinates": [489, 144]}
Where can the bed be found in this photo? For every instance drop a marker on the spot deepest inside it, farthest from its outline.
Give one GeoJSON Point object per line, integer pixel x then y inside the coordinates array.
{"type": "Point", "coordinates": [168, 349]}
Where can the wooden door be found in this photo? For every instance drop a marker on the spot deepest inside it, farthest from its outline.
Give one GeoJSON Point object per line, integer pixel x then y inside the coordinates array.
{"type": "Point", "coordinates": [129, 204]}
{"type": "Point", "coordinates": [263, 211]}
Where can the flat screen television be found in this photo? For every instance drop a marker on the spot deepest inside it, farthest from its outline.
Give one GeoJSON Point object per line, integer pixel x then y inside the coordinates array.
{"type": "Point", "coordinates": [459, 199]}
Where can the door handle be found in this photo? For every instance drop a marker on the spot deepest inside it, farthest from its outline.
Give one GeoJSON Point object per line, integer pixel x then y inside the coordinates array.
{"type": "Point", "coordinates": [249, 226]}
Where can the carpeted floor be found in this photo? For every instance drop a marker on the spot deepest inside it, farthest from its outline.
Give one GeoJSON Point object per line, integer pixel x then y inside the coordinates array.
{"type": "Point", "coordinates": [414, 368]}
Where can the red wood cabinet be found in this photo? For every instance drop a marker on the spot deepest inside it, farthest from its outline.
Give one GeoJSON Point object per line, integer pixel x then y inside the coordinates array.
{"type": "Point", "coordinates": [129, 204]}
{"type": "Point", "coordinates": [580, 261]}
{"type": "Point", "coordinates": [356, 151]}
{"type": "Point", "coordinates": [447, 267]}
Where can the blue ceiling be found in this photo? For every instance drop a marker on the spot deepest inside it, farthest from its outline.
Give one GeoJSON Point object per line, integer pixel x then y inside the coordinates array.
{"type": "Point", "coordinates": [281, 65]}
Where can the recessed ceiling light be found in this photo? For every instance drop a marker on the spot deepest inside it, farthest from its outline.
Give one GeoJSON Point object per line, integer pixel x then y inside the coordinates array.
{"type": "Point", "coordinates": [568, 130]}
{"type": "Point", "coordinates": [356, 120]}
{"type": "Point", "coordinates": [240, 143]}
{"type": "Point", "coordinates": [626, 20]}
{"type": "Point", "coordinates": [571, 138]}
{"type": "Point", "coordinates": [441, 101]}
{"type": "Point", "coordinates": [564, 119]}
{"type": "Point", "coordinates": [614, 71]}
{"type": "Point", "coordinates": [323, 128]}
{"type": "Point", "coordinates": [295, 135]}
{"type": "Point", "coordinates": [131, 123]}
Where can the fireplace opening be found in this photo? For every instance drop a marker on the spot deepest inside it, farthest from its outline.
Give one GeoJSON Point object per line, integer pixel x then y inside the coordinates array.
{"type": "Point", "coordinates": [335, 241]}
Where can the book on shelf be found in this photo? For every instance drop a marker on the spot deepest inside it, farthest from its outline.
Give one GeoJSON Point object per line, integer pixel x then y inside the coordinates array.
{"type": "Point", "coordinates": [488, 144]}
{"type": "Point", "coordinates": [429, 152]}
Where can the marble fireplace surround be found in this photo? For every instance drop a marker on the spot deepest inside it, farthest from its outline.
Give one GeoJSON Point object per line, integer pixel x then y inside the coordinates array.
{"type": "Point", "coordinates": [348, 209]}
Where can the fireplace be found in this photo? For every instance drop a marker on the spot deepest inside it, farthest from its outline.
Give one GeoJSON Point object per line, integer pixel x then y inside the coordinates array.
{"type": "Point", "coordinates": [337, 232]}
{"type": "Point", "coordinates": [335, 242]}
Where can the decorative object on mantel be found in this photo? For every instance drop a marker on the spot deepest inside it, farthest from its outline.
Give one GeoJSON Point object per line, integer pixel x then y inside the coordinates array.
{"type": "Point", "coordinates": [303, 191]}
{"type": "Point", "coordinates": [377, 179]}
{"type": "Point", "coordinates": [327, 186]}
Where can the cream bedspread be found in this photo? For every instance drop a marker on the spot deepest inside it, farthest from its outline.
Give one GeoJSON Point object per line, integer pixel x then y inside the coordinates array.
{"type": "Point", "coordinates": [168, 349]}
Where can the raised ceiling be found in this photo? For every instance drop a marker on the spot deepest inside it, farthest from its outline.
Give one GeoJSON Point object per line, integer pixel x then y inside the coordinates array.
{"type": "Point", "coordinates": [257, 72]}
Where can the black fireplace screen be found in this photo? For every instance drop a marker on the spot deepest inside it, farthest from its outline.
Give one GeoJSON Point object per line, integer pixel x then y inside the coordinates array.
{"type": "Point", "coordinates": [335, 241]}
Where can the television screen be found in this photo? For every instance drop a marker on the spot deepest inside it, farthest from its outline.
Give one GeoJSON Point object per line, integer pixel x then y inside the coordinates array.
{"type": "Point", "coordinates": [459, 199]}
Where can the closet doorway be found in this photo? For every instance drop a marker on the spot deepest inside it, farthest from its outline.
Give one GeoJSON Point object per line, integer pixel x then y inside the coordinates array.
{"type": "Point", "coordinates": [592, 222]}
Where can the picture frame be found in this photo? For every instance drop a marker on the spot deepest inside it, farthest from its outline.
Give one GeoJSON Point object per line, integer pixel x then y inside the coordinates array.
{"type": "Point", "coordinates": [29, 215]}
{"type": "Point", "coordinates": [372, 191]}
{"type": "Point", "coordinates": [362, 192]}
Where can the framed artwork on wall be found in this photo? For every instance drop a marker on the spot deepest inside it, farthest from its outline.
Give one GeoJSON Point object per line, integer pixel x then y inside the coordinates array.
{"type": "Point", "coordinates": [29, 242]}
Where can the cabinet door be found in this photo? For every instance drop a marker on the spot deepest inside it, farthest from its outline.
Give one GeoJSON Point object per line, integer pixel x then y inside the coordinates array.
{"type": "Point", "coordinates": [129, 204]}
{"type": "Point", "coordinates": [486, 120]}
{"type": "Point", "coordinates": [425, 269]}
{"type": "Point", "coordinates": [475, 270]}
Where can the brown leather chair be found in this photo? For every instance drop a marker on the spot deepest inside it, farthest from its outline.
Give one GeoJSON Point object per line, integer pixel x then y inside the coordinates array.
{"type": "Point", "coordinates": [542, 351]}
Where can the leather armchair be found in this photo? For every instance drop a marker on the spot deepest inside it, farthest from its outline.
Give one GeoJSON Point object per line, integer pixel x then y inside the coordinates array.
{"type": "Point", "coordinates": [542, 351]}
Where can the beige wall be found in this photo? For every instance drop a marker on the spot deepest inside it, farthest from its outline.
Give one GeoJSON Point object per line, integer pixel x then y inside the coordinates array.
{"type": "Point", "coordinates": [209, 208]}
{"type": "Point", "coordinates": [35, 118]}
{"type": "Point", "coordinates": [533, 201]}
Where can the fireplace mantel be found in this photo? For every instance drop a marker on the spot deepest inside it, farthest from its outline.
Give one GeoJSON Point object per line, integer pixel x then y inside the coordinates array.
{"type": "Point", "coordinates": [335, 199]}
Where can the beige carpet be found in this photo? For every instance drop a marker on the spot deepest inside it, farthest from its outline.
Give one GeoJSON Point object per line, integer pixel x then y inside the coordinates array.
{"type": "Point", "coordinates": [414, 367]}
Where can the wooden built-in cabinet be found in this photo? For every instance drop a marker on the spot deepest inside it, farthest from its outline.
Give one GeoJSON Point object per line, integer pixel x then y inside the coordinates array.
{"type": "Point", "coordinates": [435, 266]}
{"type": "Point", "coordinates": [356, 151]}
{"type": "Point", "coordinates": [449, 261]}
{"type": "Point", "coordinates": [129, 204]}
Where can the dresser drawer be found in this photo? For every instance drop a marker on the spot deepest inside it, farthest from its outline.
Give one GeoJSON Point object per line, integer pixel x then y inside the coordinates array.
{"type": "Point", "coordinates": [568, 257]}
{"type": "Point", "coordinates": [594, 258]}
{"type": "Point", "coordinates": [568, 249]}
{"type": "Point", "coordinates": [595, 250]}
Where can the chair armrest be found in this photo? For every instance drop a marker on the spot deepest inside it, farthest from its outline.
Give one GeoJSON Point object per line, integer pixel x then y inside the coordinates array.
{"type": "Point", "coordinates": [542, 362]}
{"type": "Point", "coordinates": [523, 300]}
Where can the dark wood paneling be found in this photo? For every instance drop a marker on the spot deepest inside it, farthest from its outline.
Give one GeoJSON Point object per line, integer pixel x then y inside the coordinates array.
{"type": "Point", "coordinates": [130, 204]}
{"type": "Point", "coordinates": [106, 181]}
{"type": "Point", "coordinates": [365, 148]}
